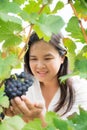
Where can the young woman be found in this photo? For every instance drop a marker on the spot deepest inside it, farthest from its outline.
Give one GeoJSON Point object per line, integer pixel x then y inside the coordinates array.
{"type": "Point", "coordinates": [47, 62]}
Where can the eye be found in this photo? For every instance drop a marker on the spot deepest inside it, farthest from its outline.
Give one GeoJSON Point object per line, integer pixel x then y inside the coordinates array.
{"type": "Point", "coordinates": [48, 58]}
{"type": "Point", "coordinates": [33, 59]}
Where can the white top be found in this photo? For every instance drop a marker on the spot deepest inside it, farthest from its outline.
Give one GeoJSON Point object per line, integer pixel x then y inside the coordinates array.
{"type": "Point", "coordinates": [80, 85]}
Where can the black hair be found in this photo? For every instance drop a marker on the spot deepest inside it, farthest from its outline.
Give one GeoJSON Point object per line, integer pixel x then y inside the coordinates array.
{"type": "Point", "coordinates": [67, 91]}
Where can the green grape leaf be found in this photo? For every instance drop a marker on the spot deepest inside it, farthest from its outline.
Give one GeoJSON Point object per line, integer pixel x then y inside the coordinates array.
{"type": "Point", "coordinates": [33, 125]}
{"type": "Point", "coordinates": [9, 32]}
{"type": "Point", "coordinates": [47, 1]}
{"type": "Point", "coordinates": [63, 78]}
{"type": "Point", "coordinates": [74, 30]}
{"type": "Point", "coordinates": [49, 117]}
{"type": "Point", "coordinates": [55, 122]}
{"type": "Point", "coordinates": [70, 51]}
{"type": "Point", "coordinates": [49, 24]}
{"type": "Point", "coordinates": [5, 70]}
{"type": "Point", "coordinates": [79, 120]}
{"type": "Point", "coordinates": [47, 10]}
{"type": "Point", "coordinates": [81, 65]}
{"type": "Point", "coordinates": [70, 45]}
{"type": "Point", "coordinates": [6, 66]}
{"type": "Point", "coordinates": [81, 8]}
{"type": "Point", "coordinates": [20, 2]}
{"type": "Point", "coordinates": [82, 53]}
{"type": "Point", "coordinates": [6, 7]}
{"type": "Point", "coordinates": [12, 123]}
{"type": "Point", "coordinates": [50, 128]}
{"type": "Point", "coordinates": [30, 11]}
{"type": "Point", "coordinates": [83, 75]}
{"type": "Point", "coordinates": [59, 5]}
{"type": "Point", "coordinates": [32, 18]}
{"type": "Point", "coordinates": [81, 62]}
{"type": "Point", "coordinates": [40, 33]}
{"type": "Point", "coordinates": [5, 17]}
{"type": "Point", "coordinates": [32, 6]}
{"type": "Point", "coordinates": [12, 60]}
{"type": "Point", "coordinates": [1, 109]}
{"type": "Point", "coordinates": [4, 101]}
{"type": "Point", "coordinates": [62, 125]}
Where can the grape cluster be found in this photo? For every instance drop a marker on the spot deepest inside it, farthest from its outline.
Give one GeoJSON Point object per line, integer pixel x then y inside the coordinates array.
{"type": "Point", "coordinates": [17, 85]}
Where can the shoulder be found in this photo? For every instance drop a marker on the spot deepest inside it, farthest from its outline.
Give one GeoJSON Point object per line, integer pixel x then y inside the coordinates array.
{"type": "Point", "coordinates": [80, 87]}
{"type": "Point", "coordinates": [79, 83]}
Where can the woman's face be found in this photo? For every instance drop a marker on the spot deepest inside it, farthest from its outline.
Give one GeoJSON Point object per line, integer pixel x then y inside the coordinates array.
{"type": "Point", "coordinates": [44, 61]}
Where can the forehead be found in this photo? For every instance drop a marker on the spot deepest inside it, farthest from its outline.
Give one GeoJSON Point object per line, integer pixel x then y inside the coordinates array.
{"type": "Point", "coordinates": [42, 46]}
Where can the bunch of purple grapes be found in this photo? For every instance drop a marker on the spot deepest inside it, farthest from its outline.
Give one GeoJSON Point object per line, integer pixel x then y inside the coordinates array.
{"type": "Point", "coordinates": [17, 85]}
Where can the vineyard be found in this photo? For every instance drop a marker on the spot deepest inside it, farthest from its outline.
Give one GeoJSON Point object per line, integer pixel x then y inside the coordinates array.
{"type": "Point", "coordinates": [17, 16]}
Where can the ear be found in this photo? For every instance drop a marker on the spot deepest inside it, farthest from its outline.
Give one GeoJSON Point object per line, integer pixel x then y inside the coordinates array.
{"type": "Point", "coordinates": [62, 59]}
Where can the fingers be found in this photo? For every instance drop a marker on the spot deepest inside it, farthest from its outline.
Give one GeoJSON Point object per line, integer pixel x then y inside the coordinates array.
{"type": "Point", "coordinates": [9, 111]}
{"type": "Point", "coordinates": [15, 109]}
{"type": "Point", "coordinates": [35, 109]}
{"type": "Point", "coordinates": [24, 107]}
{"type": "Point", "coordinates": [39, 105]}
{"type": "Point", "coordinates": [30, 105]}
{"type": "Point", "coordinates": [27, 102]}
{"type": "Point", "coordinates": [19, 106]}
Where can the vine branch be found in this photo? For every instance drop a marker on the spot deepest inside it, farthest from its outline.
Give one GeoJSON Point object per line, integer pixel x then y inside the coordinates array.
{"type": "Point", "coordinates": [80, 22]}
{"type": "Point", "coordinates": [26, 42]}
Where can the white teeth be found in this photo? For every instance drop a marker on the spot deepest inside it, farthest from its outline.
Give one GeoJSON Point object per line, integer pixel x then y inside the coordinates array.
{"type": "Point", "coordinates": [41, 72]}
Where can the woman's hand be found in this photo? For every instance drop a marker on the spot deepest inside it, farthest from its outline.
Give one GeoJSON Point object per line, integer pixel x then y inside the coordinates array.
{"type": "Point", "coordinates": [9, 111]}
{"type": "Point", "coordinates": [22, 106]}
{"type": "Point", "coordinates": [25, 108]}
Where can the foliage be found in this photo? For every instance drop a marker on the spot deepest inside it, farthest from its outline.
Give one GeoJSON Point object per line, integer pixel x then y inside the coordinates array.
{"type": "Point", "coordinates": [38, 16]}
{"type": "Point", "coordinates": [74, 122]}
{"type": "Point", "coordinates": [13, 123]}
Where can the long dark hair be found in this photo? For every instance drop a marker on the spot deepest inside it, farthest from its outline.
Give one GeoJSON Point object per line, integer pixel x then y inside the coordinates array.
{"type": "Point", "coordinates": [67, 92]}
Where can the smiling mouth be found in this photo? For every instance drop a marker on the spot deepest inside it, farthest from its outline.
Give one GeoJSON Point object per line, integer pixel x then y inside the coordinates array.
{"type": "Point", "coordinates": [42, 73]}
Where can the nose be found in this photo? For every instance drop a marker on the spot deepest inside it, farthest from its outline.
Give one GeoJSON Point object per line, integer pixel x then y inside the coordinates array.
{"type": "Point", "coordinates": [40, 65]}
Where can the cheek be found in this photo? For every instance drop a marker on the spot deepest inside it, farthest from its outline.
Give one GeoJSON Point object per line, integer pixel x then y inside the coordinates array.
{"type": "Point", "coordinates": [55, 66]}
{"type": "Point", "coordinates": [32, 66]}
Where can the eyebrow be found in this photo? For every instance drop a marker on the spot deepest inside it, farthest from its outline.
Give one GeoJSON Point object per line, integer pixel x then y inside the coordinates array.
{"type": "Point", "coordinates": [32, 56]}
{"type": "Point", "coordinates": [47, 55]}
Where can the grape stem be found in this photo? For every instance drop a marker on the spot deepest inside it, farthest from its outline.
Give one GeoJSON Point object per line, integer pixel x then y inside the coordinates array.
{"type": "Point", "coordinates": [1, 83]}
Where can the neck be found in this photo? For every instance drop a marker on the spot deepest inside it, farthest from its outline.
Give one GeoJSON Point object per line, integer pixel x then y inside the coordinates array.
{"type": "Point", "coordinates": [49, 85]}
{"type": "Point", "coordinates": [48, 91]}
